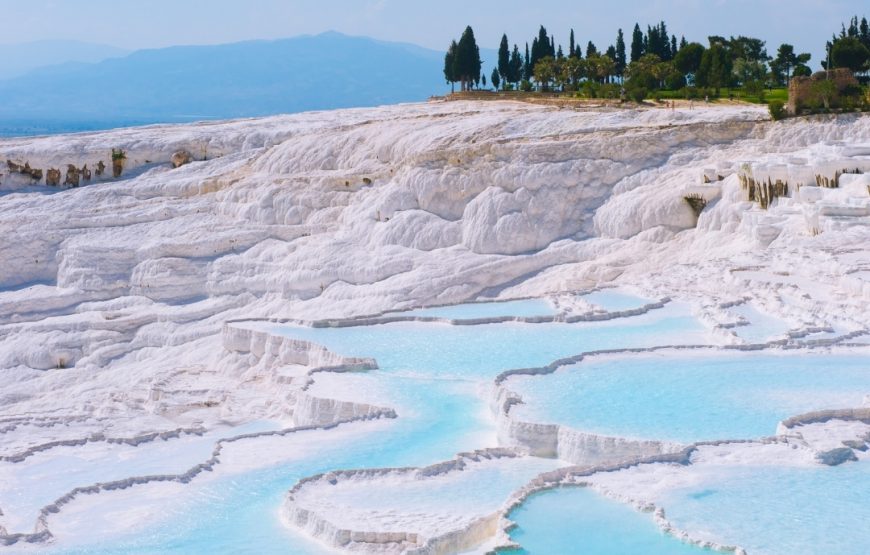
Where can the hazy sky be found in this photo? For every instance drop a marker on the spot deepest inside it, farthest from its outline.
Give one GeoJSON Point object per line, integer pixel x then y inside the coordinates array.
{"type": "Point", "coordinates": [155, 23]}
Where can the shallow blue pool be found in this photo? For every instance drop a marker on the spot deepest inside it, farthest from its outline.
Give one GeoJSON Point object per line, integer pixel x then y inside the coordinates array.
{"type": "Point", "coordinates": [780, 510]}
{"type": "Point", "coordinates": [481, 352]}
{"type": "Point", "coordinates": [438, 377]}
{"type": "Point", "coordinates": [579, 520]}
{"type": "Point", "coordinates": [690, 397]}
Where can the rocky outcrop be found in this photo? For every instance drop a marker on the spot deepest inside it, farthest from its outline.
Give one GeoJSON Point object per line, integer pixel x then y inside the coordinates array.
{"type": "Point", "coordinates": [73, 176]}
{"type": "Point", "coordinates": [836, 457]}
{"type": "Point", "coordinates": [272, 350]}
{"type": "Point", "coordinates": [181, 158]}
{"type": "Point", "coordinates": [317, 411]}
{"type": "Point", "coordinates": [118, 158]}
{"type": "Point", "coordinates": [52, 177]}
{"type": "Point", "coordinates": [24, 169]}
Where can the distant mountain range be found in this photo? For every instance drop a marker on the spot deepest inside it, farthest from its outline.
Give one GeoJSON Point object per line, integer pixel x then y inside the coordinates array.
{"type": "Point", "coordinates": [19, 59]}
{"type": "Point", "coordinates": [253, 78]}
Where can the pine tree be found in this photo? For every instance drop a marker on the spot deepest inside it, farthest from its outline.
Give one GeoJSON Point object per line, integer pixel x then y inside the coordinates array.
{"type": "Point", "coordinates": [637, 50]}
{"type": "Point", "coordinates": [620, 54]}
{"type": "Point", "coordinates": [494, 78]}
{"type": "Point", "coordinates": [715, 68]}
{"type": "Point", "coordinates": [683, 43]}
{"type": "Point", "coordinates": [559, 53]}
{"type": "Point", "coordinates": [504, 59]}
{"type": "Point", "coordinates": [785, 60]}
{"type": "Point", "coordinates": [674, 48]}
{"type": "Point", "coordinates": [571, 43]}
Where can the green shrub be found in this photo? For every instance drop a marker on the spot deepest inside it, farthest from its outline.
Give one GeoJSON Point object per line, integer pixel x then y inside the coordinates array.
{"type": "Point", "coordinates": [691, 93]}
{"type": "Point", "coordinates": [675, 81]}
{"type": "Point", "coordinates": [590, 89]}
{"type": "Point", "coordinates": [526, 86]}
{"type": "Point", "coordinates": [638, 94]}
{"type": "Point", "coordinates": [609, 90]}
{"type": "Point", "coordinates": [777, 109]}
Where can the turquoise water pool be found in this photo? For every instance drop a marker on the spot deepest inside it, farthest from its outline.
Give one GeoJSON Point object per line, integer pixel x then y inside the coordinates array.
{"type": "Point", "coordinates": [780, 510]}
{"type": "Point", "coordinates": [690, 397]}
{"type": "Point", "coordinates": [438, 377]}
{"type": "Point", "coordinates": [579, 520]}
{"type": "Point", "coordinates": [481, 352]}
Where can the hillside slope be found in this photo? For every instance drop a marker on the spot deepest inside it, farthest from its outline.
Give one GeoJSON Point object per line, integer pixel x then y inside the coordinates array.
{"type": "Point", "coordinates": [114, 294]}
{"type": "Point", "coordinates": [253, 78]}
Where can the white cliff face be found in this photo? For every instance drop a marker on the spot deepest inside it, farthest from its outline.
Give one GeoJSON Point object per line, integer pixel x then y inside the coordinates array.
{"type": "Point", "coordinates": [115, 297]}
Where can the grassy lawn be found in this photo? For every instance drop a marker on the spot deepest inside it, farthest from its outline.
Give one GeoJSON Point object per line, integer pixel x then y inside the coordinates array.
{"type": "Point", "coordinates": [737, 94]}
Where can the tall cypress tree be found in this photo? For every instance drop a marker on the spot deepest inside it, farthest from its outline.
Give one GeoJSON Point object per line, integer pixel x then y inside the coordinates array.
{"type": "Point", "coordinates": [664, 43]}
{"type": "Point", "coordinates": [591, 50]}
{"type": "Point", "coordinates": [571, 44]}
{"type": "Point", "coordinates": [637, 50]}
{"type": "Point", "coordinates": [504, 59]}
{"type": "Point", "coordinates": [619, 68]}
{"type": "Point", "coordinates": [527, 65]}
{"type": "Point", "coordinates": [864, 34]}
{"type": "Point", "coordinates": [450, 65]}
{"type": "Point", "coordinates": [540, 47]}
{"type": "Point", "coordinates": [516, 66]}
{"type": "Point", "coordinates": [468, 59]}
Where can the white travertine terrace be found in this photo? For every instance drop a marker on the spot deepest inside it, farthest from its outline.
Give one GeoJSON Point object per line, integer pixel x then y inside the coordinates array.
{"type": "Point", "coordinates": [121, 300]}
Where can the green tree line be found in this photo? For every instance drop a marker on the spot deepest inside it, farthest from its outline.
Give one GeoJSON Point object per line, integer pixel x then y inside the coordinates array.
{"type": "Point", "coordinates": [653, 60]}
